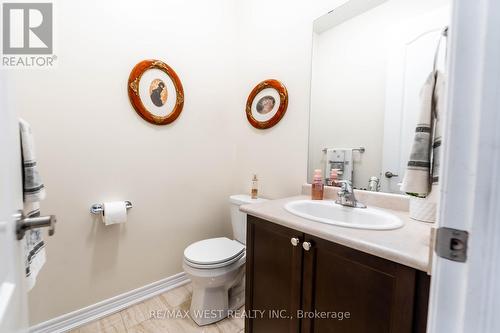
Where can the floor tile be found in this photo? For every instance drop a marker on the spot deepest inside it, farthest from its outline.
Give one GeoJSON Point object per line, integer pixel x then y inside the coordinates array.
{"type": "Point", "coordinates": [175, 297]}
{"type": "Point", "coordinates": [134, 315]}
{"type": "Point", "coordinates": [190, 326]}
{"type": "Point", "coordinates": [153, 305]}
{"type": "Point", "coordinates": [172, 326]}
{"type": "Point", "coordinates": [109, 324]}
{"type": "Point", "coordinates": [233, 324]}
{"type": "Point", "coordinates": [138, 318]}
{"type": "Point", "coordinates": [229, 325]}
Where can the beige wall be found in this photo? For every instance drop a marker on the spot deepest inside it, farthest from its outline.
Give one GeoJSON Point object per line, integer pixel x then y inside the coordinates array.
{"type": "Point", "coordinates": [275, 39]}
{"type": "Point", "coordinates": [92, 147]}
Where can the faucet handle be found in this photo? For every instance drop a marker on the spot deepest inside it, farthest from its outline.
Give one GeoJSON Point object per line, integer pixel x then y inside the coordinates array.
{"type": "Point", "coordinates": [346, 185]}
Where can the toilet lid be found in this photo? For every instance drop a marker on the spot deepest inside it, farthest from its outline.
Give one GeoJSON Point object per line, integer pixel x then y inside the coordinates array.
{"type": "Point", "coordinates": [213, 251]}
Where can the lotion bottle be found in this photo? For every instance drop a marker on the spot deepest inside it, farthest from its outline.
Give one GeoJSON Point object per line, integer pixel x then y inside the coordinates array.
{"type": "Point", "coordinates": [255, 187]}
{"type": "Point", "coordinates": [317, 186]}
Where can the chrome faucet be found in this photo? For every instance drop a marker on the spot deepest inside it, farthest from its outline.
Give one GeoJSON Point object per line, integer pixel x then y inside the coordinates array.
{"type": "Point", "coordinates": [346, 196]}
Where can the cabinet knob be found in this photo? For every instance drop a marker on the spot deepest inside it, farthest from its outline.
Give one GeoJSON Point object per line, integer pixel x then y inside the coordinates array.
{"type": "Point", "coordinates": [307, 246]}
{"type": "Point", "coordinates": [295, 241]}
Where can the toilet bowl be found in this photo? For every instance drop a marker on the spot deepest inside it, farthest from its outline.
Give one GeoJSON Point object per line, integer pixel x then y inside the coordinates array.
{"type": "Point", "coordinates": [216, 267]}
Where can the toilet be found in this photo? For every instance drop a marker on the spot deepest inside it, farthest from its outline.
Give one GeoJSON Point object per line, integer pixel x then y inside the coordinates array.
{"type": "Point", "coordinates": [216, 267]}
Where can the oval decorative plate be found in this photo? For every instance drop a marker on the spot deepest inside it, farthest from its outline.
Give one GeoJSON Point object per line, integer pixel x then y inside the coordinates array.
{"type": "Point", "coordinates": [155, 91]}
{"type": "Point", "coordinates": [267, 104]}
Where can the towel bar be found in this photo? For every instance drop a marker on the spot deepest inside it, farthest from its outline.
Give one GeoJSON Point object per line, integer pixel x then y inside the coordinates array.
{"type": "Point", "coordinates": [360, 149]}
{"type": "Point", "coordinates": [99, 208]}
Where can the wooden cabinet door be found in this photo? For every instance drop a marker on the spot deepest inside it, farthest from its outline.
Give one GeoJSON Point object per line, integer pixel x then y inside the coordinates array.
{"type": "Point", "coordinates": [377, 293]}
{"type": "Point", "coordinates": [273, 278]}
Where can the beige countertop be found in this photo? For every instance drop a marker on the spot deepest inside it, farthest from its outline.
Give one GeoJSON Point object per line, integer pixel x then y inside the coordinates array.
{"type": "Point", "coordinates": [408, 245]}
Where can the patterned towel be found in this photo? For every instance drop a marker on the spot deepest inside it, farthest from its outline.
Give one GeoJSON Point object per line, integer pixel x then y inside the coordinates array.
{"type": "Point", "coordinates": [33, 193]}
{"type": "Point", "coordinates": [422, 171]}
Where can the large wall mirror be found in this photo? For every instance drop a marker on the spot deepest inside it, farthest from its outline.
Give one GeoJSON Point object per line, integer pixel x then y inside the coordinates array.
{"type": "Point", "coordinates": [370, 60]}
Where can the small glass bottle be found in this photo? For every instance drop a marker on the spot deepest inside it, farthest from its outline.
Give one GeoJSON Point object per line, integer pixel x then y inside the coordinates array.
{"type": "Point", "coordinates": [317, 186]}
{"type": "Point", "coordinates": [332, 181]}
{"type": "Point", "coordinates": [255, 187]}
{"type": "Point", "coordinates": [374, 184]}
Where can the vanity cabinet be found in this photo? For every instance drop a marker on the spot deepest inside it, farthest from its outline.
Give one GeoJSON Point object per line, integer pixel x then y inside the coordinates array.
{"type": "Point", "coordinates": [290, 274]}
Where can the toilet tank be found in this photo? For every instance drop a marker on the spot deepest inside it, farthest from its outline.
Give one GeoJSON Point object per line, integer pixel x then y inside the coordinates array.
{"type": "Point", "coordinates": [238, 218]}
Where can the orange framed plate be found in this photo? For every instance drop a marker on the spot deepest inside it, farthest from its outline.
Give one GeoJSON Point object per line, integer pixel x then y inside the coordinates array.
{"type": "Point", "coordinates": [266, 102]}
{"type": "Point", "coordinates": [135, 97]}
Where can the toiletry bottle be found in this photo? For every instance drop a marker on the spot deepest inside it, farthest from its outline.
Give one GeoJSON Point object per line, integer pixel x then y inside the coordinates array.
{"type": "Point", "coordinates": [374, 184]}
{"type": "Point", "coordinates": [255, 187]}
{"type": "Point", "coordinates": [317, 186]}
{"type": "Point", "coordinates": [334, 177]}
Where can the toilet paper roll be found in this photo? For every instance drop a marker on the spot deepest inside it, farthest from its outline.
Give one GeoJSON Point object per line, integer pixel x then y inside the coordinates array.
{"type": "Point", "coordinates": [114, 212]}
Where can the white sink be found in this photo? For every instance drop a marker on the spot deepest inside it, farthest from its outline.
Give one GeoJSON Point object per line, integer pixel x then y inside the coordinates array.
{"type": "Point", "coordinates": [327, 211]}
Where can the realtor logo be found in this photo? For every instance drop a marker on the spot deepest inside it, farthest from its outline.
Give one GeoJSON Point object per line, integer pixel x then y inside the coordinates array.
{"type": "Point", "coordinates": [27, 29]}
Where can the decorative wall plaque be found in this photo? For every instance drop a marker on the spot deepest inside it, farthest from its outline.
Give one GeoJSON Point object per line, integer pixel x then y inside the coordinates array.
{"type": "Point", "coordinates": [155, 92]}
{"type": "Point", "coordinates": [267, 104]}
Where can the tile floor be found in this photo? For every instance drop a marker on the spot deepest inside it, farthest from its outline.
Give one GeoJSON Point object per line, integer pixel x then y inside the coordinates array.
{"type": "Point", "coordinates": [137, 318]}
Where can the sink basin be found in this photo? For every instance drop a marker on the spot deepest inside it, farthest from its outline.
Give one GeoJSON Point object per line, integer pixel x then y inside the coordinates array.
{"type": "Point", "coordinates": [327, 211]}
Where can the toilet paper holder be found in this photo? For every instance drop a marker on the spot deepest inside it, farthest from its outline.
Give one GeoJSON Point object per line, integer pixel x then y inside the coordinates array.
{"type": "Point", "coordinates": [99, 208]}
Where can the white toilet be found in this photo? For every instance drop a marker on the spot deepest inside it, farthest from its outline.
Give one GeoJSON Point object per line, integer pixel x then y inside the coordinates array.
{"type": "Point", "coordinates": [216, 267]}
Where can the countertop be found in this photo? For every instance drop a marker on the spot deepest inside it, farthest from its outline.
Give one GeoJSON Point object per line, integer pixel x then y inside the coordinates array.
{"type": "Point", "coordinates": [408, 245]}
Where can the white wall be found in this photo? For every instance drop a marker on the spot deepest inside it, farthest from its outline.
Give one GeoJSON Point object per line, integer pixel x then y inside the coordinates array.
{"type": "Point", "coordinates": [275, 39]}
{"type": "Point", "coordinates": [93, 147]}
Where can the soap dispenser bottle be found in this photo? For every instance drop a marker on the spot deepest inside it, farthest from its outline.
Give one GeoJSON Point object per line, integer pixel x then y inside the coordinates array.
{"type": "Point", "coordinates": [255, 187]}
{"type": "Point", "coordinates": [334, 177]}
{"type": "Point", "coordinates": [317, 186]}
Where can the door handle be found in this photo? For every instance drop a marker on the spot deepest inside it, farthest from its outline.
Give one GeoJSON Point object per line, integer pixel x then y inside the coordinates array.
{"type": "Point", "coordinates": [389, 174]}
{"type": "Point", "coordinates": [295, 241]}
{"type": "Point", "coordinates": [24, 223]}
{"type": "Point", "coordinates": [307, 246]}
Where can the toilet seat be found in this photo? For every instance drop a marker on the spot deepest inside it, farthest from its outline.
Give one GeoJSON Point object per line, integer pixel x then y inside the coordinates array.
{"type": "Point", "coordinates": [214, 266]}
{"type": "Point", "coordinates": [213, 253]}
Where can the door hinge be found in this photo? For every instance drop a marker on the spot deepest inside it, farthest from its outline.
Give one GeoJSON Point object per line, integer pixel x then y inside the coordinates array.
{"type": "Point", "coordinates": [451, 244]}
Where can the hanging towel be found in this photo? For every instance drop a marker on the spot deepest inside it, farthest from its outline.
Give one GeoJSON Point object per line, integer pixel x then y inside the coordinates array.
{"type": "Point", "coordinates": [422, 170]}
{"type": "Point", "coordinates": [439, 92]}
{"type": "Point", "coordinates": [33, 193]}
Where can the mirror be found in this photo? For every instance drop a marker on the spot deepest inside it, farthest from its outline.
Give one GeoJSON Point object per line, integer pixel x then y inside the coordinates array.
{"type": "Point", "coordinates": [370, 60]}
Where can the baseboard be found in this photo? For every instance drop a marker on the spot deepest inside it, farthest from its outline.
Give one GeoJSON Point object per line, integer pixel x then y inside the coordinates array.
{"type": "Point", "coordinates": [109, 306]}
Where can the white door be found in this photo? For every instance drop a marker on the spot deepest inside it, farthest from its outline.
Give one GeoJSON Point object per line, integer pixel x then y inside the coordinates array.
{"type": "Point", "coordinates": [409, 64]}
{"type": "Point", "coordinates": [13, 296]}
{"type": "Point", "coordinates": [465, 296]}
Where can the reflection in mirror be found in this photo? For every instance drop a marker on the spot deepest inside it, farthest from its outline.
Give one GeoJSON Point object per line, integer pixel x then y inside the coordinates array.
{"type": "Point", "coordinates": [370, 60]}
